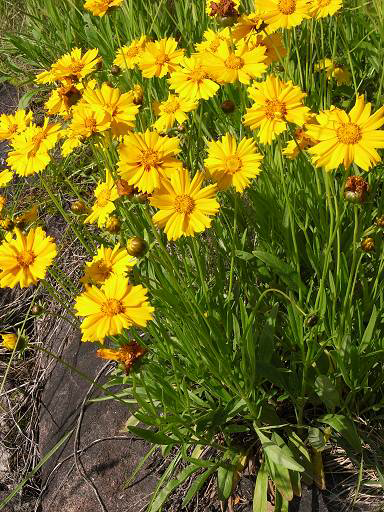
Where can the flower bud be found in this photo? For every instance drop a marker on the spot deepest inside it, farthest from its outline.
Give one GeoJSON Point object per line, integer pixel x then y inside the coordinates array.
{"type": "Point", "coordinates": [368, 244]}
{"type": "Point", "coordinates": [355, 189]}
{"type": "Point", "coordinates": [311, 320]}
{"type": "Point", "coordinates": [37, 309]}
{"type": "Point", "coordinates": [380, 221]}
{"type": "Point", "coordinates": [115, 70]}
{"type": "Point", "coordinates": [138, 94]}
{"type": "Point", "coordinates": [137, 246]}
{"type": "Point", "coordinates": [99, 65]}
{"type": "Point", "coordinates": [228, 106]}
{"type": "Point", "coordinates": [113, 224]}
{"type": "Point", "coordinates": [124, 189]}
{"type": "Point", "coordinates": [79, 207]}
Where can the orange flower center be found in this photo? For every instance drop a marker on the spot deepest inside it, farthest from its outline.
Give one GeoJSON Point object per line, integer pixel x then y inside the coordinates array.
{"type": "Point", "coordinates": [12, 128]}
{"type": "Point", "coordinates": [149, 158]}
{"type": "Point", "coordinates": [112, 307]}
{"type": "Point", "coordinates": [76, 67]}
{"type": "Point", "coordinates": [103, 198]}
{"type": "Point", "coordinates": [348, 133]}
{"type": "Point", "coordinates": [275, 109]}
{"type": "Point", "coordinates": [287, 6]}
{"type": "Point", "coordinates": [25, 258]}
{"type": "Point", "coordinates": [184, 204]}
{"type": "Point", "coordinates": [104, 269]}
{"type": "Point", "coordinates": [36, 139]}
{"type": "Point", "coordinates": [132, 52]}
{"type": "Point", "coordinates": [233, 164]}
{"type": "Point", "coordinates": [162, 59]}
{"type": "Point", "coordinates": [171, 106]}
{"type": "Point", "coordinates": [90, 123]}
{"type": "Point", "coordinates": [324, 3]}
{"type": "Point", "coordinates": [197, 75]}
{"type": "Point", "coordinates": [215, 45]}
{"type": "Point", "coordinates": [234, 62]}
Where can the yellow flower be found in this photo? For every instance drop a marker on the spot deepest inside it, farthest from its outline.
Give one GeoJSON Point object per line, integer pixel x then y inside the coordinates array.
{"type": "Point", "coordinates": [160, 58]}
{"type": "Point", "coordinates": [107, 262]}
{"type": "Point", "coordinates": [232, 164]}
{"type": "Point", "coordinates": [72, 142]}
{"type": "Point", "coordinates": [24, 260]}
{"type": "Point", "coordinates": [100, 7]}
{"type": "Point", "coordinates": [128, 56]}
{"type": "Point", "coordinates": [127, 354]}
{"type": "Point", "coordinates": [119, 108]}
{"type": "Point", "coordinates": [192, 82]}
{"type": "Point", "coordinates": [115, 306]}
{"type": "Point", "coordinates": [250, 25]}
{"type": "Point", "coordinates": [332, 70]}
{"type": "Point", "coordinates": [185, 207]}
{"type": "Point", "coordinates": [147, 157]}
{"type": "Point", "coordinates": [274, 46]}
{"type": "Point", "coordinates": [14, 123]}
{"type": "Point", "coordinates": [74, 66]}
{"type": "Point", "coordinates": [214, 40]}
{"type": "Point", "coordinates": [302, 140]}
{"type": "Point", "coordinates": [342, 75]}
{"type": "Point", "coordinates": [171, 110]}
{"type": "Point", "coordinates": [105, 194]}
{"type": "Point", "coordinates": [5, 177]}
{"type": "Point", "coordinates": [30, 148]}
{"type": "Point", "coordinates": [9, 341]}
{"type": "Point", "coordinates": [27, 217]}
{"type": "Point", "coordinates": [347, 138]}
{"type": "Point", "coordinates": [138, 94]}
{"type": "Point", "coordinates": [228, 66]}
{"type": "Point", "coordinates": [323, 8]}
{"type": "Point", "coordinates": [61, 100]}
{"type": "Point", "coordinates": [87, 121]}
{"type": "Point", "coordinates": [283, 13]}
{"type": "Point", "coordinates": [2, 203]}
{"type": "Point", "coordinates": [275, 104]}
{"type": "Point", "coordinates": [222, 8]}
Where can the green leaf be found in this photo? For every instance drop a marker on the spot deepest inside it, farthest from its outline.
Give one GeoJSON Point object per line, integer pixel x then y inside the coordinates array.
{"type": "Point", "coordinates": [276, 454]}
{"type": "Point", "coordinates": [346, 428]}
{"type": "Point", "coordinates": [260, 493]}
{"type": "Point", "coordinates": [197, 484]}
{"type": "Point", "coordinates": [316, 438]}
{"type": "Point", "coordinates": [149, 435]}
{"type": "Point", "coordinates": [225, 475]}
{"type": "Point", "coordinates": [368, 333]}
{"type": "Point", "coordinates": [243, 255]}
{"type": "Point", "coordinates": [266, 341]}
{"type": "Point", "coordinates": [26, 98]}
{"type": "Point", "coordinates": [281, 478]}
{"type": "Point", "coordinates": [327, 392]}
{"type": "Point", "coordinates": [171, 486]}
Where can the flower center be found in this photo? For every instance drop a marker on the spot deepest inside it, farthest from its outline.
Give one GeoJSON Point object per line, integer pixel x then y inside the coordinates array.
{"type": "Point", "coordinates": [324, 3]}
{"type": "Point", "coordinates": [13, 128]}
{"type": "Point", "coordinates": [348, 133]}
{"type": "Point", "coordinates": [184, 204]}
{"type": "Point", "coordinates": [132, 52]}
{"type": "Point", "coordinates": [112, 307]}
{"type": "Point", "coordinates": [287, 6]}
{"type": "Point", "coordinates": [25, 258]}
{"type": "Point", "coordinates": [171, 106]}
{"type": "Point", "coordinates": [233, 164]}
{"type": "Point", "coordinates": [234, 62]}
{"type": "Point", "coordinates": [149, 158]}
{"type": "Point", "coordinates": [103, 269]}
{"type": "Point", "coordinates": [90, 123]}
{"type": "Point", "coordinates": [76, 67]}
{"type": "Point", "coordinates": [103, 198]}
{"type": "Point", "coordinates": [162, 59]}
{"type": "Point", "coordinates": [36, 139]}
{"type": "Point", "coordinates": [275, 109]}
{"type": "Point", "coordinates": [215, 45]}
{"type": "Point", "coordinates": [197, 75]}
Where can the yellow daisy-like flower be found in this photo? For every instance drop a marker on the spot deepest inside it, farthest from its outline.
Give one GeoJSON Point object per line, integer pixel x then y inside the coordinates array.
{"type": "Point", "coordinates": [119, 108]}
{"type": "Point", "coordinates": [222, 8]}
{"type": "Point", "coordinates": [250, 25]}
{"type": "Point", "coordinates": [72, 142]}
{"type": "Point", "coordinates": [9, 341]}
{"type": "Point", "coordinates": [108, 262]}
{"type": "Point", "coordinates": [62, 100]}
{"type": "Point", "coordinates": [14, 124]}
{"type": "Point", "coordinates": [302, 139]}
{"type": "Point", "coordinates": [160, 58]}
{"type": "Point", "coordinates": [171, 110]}
{"type": "Point", "coordinates": [127, 354]}
{"type": "Point", "coordinates": [283, 13]}
{"type": "Point", "coordinates": [323, 8]}
{"type": "Point", "coordinates": [185, 207]}
{"type": "Point", "coordinates": [2, 203]}
{"type": "Point", "coordinates": [275, 104]}
{"type": "Point", "coordinates": [128, 56]}
{"type": "Point", "coordinates": [30, 148]}
{"type": "Point", "coordinates": [6, 177]}
{"type": "Point", "coordinates": [332, 70]}
{"type": "Point", "coordinates": [105, 194]}
{"type": "Point", "coordinates": [74, 66]}
{"type": "Point", "coordinates": [274, 46]}
{"type": "Point", "coordinates": [25, 259]}
{"type": "Point", "coordinates": [228, 66]}
{"type": "Point", "coordinates": [232, 164]}
{"type": "Point", "coordinates": [146, 158]}
{"type": "Point", "coordinates": [192, 82]}
{"type": "Point", "coordinates": [115, 306]}
{"type": "Point", "coordinates": [214, 40]}
{"type": "Point", "coordinates": [347, 138]}
{"type": "Point", "coordinates": [87, 121]}
{"type": "Point", "coordinates": [100, 7]}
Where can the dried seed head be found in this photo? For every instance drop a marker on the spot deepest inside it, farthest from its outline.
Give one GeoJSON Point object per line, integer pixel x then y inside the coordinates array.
{"type": "Point", "coordinates": [356, 189]}
{"type": "Point", "coordinates": [124, 189]}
